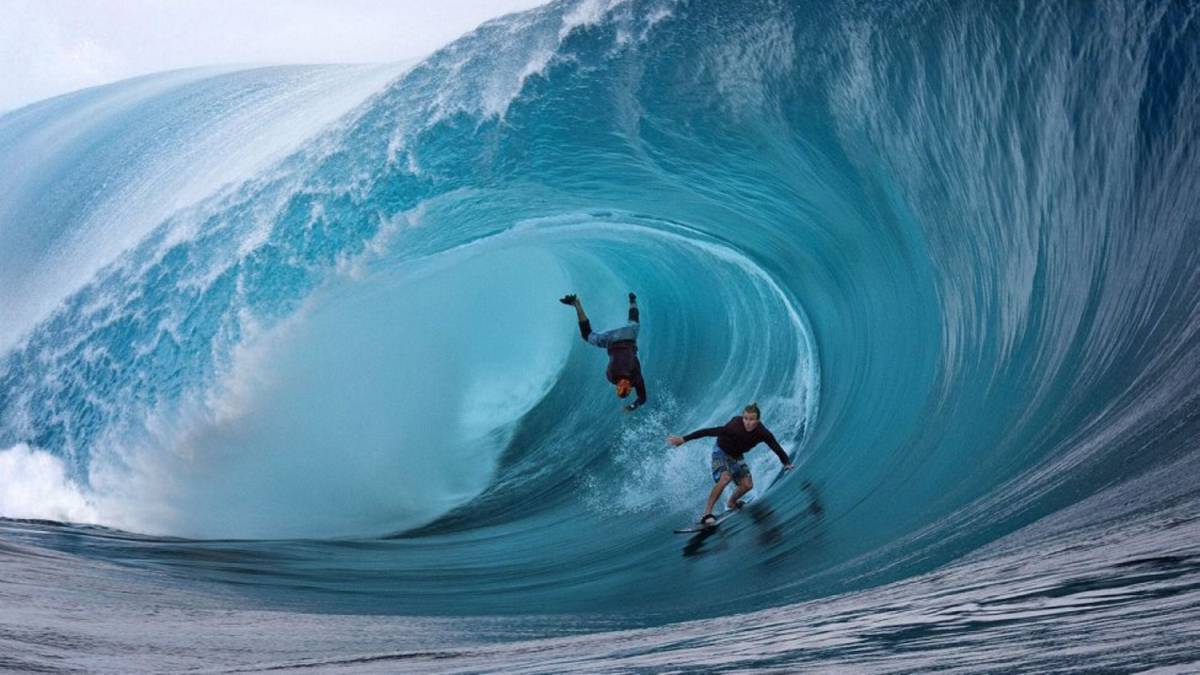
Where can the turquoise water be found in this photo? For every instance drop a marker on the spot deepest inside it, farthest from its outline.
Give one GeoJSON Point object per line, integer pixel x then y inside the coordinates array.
{"type": "Point", "coordinates": [286, 340]}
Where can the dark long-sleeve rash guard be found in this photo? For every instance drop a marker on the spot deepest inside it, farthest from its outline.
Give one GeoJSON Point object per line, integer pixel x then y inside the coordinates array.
{"type": "Point", "coordinates": [621, 344]}
{"type": "Point", "coordinates": [735, 441]}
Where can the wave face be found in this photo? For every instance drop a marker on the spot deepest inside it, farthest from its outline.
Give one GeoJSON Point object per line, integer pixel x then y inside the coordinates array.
{"type": "Point", "coordinates": [296, 328]}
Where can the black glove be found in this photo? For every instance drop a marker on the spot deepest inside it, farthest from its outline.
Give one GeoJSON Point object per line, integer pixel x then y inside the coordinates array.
{"type": "Point", "coordinates": [632, 298]}
{"type": "Point", "coordinates": [568, 299]}
{"type": "Point", "coordinates": [631, 407]}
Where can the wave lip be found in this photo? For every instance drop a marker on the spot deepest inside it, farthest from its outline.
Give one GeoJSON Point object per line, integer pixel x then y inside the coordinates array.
{"type": "Point", "coordinates": [90, 174]}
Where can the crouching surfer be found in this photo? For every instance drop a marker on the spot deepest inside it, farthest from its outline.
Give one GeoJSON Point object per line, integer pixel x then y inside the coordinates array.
{"type": "Point", "coordinates": [734, 440]}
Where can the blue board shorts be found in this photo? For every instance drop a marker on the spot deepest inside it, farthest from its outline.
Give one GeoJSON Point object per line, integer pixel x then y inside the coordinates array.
{"type": "Point", "coordinates": [722, 462]}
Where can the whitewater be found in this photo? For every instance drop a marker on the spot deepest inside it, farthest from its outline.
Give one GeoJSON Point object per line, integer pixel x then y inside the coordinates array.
{"type": "Point", "coordinates": [285, 384]}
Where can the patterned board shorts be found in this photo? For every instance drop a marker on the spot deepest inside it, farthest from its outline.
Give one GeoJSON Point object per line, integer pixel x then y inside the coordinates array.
{"type": "Point", "coordinates": [722, 463]}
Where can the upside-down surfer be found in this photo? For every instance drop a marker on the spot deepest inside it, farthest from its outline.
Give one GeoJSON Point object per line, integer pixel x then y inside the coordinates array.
{"type": "Point", "coordinates": [734, 440]}
{"type": "Point", "coordinates": [624, 368]}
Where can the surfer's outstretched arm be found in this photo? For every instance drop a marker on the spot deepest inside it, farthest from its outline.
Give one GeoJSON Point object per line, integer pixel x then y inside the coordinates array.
{"type": "Point", "coordinates": [633, 308]}
{"type": "Point", "coordinates": [640, 387]}
{"type": "Point", "coordinates": [777, 449]}
{"type": "Point", "coordinates": [699, 433]}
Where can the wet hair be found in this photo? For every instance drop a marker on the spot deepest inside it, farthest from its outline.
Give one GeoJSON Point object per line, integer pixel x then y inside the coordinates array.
{"type": "Point", "coordinates": [753, 408]}
{"type": "Point", "coordinates": [623, 387]}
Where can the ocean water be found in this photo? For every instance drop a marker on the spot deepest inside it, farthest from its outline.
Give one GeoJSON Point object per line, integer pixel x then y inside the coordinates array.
{"type": "Point", "coordinates": [284, 382]}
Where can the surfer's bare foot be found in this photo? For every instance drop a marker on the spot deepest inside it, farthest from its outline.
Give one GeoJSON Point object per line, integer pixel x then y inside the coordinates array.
{"type": "Point", "coordinates": [735, 505]}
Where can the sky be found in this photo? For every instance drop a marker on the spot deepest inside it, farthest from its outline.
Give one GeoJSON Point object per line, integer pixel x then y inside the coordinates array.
{"type": "Point", "coordinates": [50, 47]}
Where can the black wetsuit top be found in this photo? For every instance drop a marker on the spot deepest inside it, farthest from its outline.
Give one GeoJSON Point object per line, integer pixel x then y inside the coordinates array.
{"type": "Point", "coordinates": [735, 441]}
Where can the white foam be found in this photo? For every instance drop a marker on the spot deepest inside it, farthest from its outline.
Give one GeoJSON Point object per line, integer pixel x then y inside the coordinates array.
{"type": "Point", "coordinates": [36, 484]}
{"type": "Point", "coordinates": [586, 13]}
